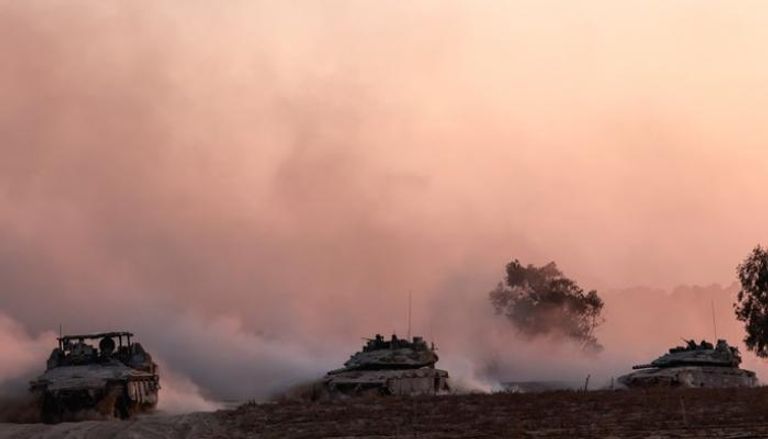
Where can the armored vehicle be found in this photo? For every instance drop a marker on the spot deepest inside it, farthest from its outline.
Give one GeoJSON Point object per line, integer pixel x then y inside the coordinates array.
{"type": "Point", "coordinates": [693, 365]}
{"type": "Point", "coordinates": [389, 367]}
{"type": "Point", "coordinates": [81, 381]}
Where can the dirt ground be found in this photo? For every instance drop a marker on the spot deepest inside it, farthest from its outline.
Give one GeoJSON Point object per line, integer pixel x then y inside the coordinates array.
{"type": "Point", "coordinates": [202, 425]}
{"type": "Point", "coordinates": [689, 413]}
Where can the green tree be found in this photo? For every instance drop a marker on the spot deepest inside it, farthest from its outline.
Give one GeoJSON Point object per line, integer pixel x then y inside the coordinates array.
{"type": "Point", "coordinates": [752, 301]}
{"type": "Point", "coordinates": [541, 301]}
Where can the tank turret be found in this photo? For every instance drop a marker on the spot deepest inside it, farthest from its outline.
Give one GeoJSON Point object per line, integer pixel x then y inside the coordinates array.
{"type": "Point", "coordinates": [703, 354]}
{"type": "Point", "coordinates": [395, 353]}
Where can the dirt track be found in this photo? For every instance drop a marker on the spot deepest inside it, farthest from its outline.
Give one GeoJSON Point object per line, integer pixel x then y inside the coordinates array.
{"type": "Point", "coordinates": [657, 414]}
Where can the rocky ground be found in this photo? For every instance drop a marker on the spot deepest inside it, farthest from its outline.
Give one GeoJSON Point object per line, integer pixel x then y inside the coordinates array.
{"type": "Point", "coordinates": [692, 413]}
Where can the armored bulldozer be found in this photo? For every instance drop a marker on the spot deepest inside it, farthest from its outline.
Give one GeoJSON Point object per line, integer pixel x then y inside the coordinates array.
{"type": "Point", "coordinates": [82, 381]}
{"type": "Point", "coordinates": [693, 365]}
{"type": "Point", "coordinates": [389, 367]}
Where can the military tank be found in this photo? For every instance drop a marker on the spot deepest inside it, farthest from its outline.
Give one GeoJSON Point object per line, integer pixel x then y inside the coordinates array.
{"type": "Point", "coordinates": [693, 365]}
{"type": "Point", "coordinates": [389, 367]}
{"type": "Point", "coordinates": [81, 381]}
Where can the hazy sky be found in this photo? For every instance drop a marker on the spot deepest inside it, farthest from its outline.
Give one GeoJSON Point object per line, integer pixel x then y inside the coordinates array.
{"type": "Point", "coordinates": [278, 170]}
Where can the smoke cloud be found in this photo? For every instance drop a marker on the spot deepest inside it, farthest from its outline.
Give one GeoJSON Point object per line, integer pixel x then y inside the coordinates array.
{"type": "Point", "coordinates": [251, 187]}
{"type": "Point", "coordinates": [22, 353]}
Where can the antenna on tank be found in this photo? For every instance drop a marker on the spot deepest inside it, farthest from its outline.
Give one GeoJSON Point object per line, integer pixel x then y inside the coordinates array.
{"type": "Point", "coordinates": [714, 322]}
{"type": "Point", "coordinates": [410, 294]}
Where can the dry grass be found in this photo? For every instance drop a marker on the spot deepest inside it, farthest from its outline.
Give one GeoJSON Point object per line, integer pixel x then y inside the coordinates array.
{"type": "Point", "coordinates": [686, 413]}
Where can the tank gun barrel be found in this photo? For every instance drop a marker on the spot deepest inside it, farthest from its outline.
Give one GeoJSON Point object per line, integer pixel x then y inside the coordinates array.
{"type": "Point", "coordinates": [643, 366]}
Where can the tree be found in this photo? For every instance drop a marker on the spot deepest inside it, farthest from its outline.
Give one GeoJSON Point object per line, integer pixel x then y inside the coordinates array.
{"type": "Point", "coordinates": [751, 306]}
{"type": "Point", "coordinates": [541, 301]}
